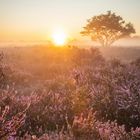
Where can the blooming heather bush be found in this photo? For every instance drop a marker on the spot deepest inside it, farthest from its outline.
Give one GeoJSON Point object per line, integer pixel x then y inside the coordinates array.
{"type": "Point", "coordinates": [70, 94]}
{"type": "Point", "coordinates": [116, 93]}
{"type": "Point", "coordinates": [10, 124]}
{"type": "Point", "coordinates": [85, 126]}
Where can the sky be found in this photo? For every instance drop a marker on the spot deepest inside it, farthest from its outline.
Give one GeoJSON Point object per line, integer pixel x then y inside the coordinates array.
{"type": "Point", "coordinates": [35, 20]}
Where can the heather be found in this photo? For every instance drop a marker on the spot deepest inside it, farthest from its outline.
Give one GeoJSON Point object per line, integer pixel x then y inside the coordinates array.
{"type": "Point", "coordinates": [68, 93]}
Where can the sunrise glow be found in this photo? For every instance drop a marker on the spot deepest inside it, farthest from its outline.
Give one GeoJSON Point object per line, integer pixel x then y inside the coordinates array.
{"type": "Point", "coordinates": [59, 37]}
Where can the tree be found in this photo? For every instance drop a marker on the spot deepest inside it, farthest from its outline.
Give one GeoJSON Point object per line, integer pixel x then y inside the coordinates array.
{"type": "Point", "coordinates": [107, 28]}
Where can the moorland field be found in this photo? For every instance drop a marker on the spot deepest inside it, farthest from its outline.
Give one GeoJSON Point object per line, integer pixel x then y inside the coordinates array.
{"type": "Point", "coordinates": [69, 93]}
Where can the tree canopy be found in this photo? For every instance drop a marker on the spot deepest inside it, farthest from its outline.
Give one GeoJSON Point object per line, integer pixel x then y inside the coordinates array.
{"type": "Point", "coordinates": [107, 28]}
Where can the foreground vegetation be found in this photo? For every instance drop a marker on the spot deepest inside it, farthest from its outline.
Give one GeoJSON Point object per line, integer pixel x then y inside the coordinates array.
{"type": "Point", "coordinates": [68, 94]}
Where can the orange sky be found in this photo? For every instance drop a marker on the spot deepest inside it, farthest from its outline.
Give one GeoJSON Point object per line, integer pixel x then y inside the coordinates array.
{"type": "Point", "coordinates": [34, 20]}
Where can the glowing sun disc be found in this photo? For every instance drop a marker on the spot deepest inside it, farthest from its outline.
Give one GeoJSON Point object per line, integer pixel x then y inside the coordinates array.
{"type": "Point", "coordinates": [59, 37]}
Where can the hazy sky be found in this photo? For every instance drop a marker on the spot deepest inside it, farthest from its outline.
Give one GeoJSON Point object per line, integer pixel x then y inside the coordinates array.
{"type": "Point", "coordinates": [35, 19]}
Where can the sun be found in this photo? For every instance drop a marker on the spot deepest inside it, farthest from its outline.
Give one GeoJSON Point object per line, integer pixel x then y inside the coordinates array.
{"type": "Point", "coordinates": [59, 37]}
